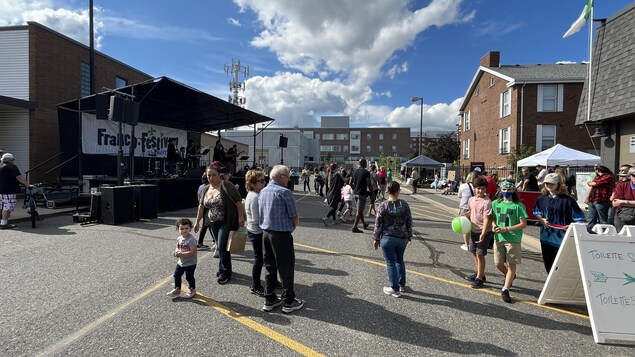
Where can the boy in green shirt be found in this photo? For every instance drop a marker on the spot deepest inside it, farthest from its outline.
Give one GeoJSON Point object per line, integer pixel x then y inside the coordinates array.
{"type": "Point", "coordinates": [510, 218]}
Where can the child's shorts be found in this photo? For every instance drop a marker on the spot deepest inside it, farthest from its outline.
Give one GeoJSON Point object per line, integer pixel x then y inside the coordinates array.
{"type": "Point", "coordinates": [505, 252]}
{"type": "Point", "coordinates": [349, 204]}
{"type": "Point", "coordinates": [481, 248]}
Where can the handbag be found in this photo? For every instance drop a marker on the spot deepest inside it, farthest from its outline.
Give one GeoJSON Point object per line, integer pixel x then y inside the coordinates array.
{"type": "Point", "coordinates": [237, 240]}
{"type": "Point", "coordinates": [627, 215]}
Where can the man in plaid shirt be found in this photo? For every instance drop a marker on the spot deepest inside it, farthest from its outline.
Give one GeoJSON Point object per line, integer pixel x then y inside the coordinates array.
{"type": "Point", "coordinates": [599, 197]}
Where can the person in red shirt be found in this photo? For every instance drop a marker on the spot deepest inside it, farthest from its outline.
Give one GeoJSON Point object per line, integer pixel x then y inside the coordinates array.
{"type": "Point", "coordinates": [492, 185]}
{"type": "Point", "coordinates": [599, 197]}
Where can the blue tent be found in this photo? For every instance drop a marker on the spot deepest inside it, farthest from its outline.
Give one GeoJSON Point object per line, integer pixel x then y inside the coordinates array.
{"type": "Point", "coordinates": [421, 161]}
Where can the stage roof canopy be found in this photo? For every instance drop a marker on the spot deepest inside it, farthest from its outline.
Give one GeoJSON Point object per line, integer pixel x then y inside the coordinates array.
{"type": "Point", "coordinates": [165, 102]}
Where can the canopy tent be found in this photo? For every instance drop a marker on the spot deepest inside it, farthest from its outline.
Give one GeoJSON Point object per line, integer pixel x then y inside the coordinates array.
{"type": "Point", "coordinates": [560, 155]}
{"type": "Point", "coordinates": [421, 161]}
{"type": "Point", "coordinates": [165, 102]}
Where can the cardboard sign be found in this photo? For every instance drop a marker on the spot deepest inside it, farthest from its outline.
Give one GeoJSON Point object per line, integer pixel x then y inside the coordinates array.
{"type": "Point", "coordinates": [597, 270]}
{"type": "Point", "coordinates": [582, 186]}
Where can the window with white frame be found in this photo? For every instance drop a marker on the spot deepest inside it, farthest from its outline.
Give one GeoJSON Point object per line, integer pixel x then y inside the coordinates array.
{"type": "Point", "coordinates": [341, 136]}
{"type": "Point", "coordinates": [503, 140]}
{"type": "Point", "coordinates": [369, 136]}
{"type": "Point", "coordinates": [328, 137]}
{"type": "Point", "coordinates": [394, 148]}
{"type": "Point", "coordinates": [354, 135]}
{"type": "Point", "coordinates": [492, 81]}
{"type": "Point", "coordinates": [368, 148]}
{"type": "Point", "coordinates": [381, 136]}
{"type": "Point", "coordinates": [466, 148]}
{"type": "Point", "coordinates": [394, 136]}
{"type": "Point", "coordinates": [381, 149]}
{"type": "Point", "coordinates": [466, 121]}
{"type": "Point", "coordinates": [506, 103]}
{"type": "Point", "coordinates": [550, 97]}
{"type": "Point", "coordinates": [545, 137]}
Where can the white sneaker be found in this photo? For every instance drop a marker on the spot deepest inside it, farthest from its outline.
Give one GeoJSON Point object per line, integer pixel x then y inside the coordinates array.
{"type": "Point", "coordinates": [464, 247]}
{"type": "Point", "coordinates": [190, 294]}
{"type": "Point", "coordinates": [174, 293]}
{"type": "Point", "coordinates": [389, 291]}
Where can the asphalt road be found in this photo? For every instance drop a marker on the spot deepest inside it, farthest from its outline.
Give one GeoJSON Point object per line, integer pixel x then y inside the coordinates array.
{"type": "Point", "coordinates": [100, 290]}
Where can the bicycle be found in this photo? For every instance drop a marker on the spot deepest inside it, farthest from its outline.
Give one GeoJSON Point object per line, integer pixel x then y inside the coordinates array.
{"type": "Point", "coordinates": [30, 203]}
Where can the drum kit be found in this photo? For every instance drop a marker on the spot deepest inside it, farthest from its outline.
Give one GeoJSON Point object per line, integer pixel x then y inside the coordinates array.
{"type": "Point", "coordinates": [159, 167]}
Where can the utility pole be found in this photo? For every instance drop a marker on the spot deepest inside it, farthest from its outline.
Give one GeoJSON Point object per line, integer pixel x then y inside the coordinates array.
{"type": "Point", "coordinates": [236, 86]}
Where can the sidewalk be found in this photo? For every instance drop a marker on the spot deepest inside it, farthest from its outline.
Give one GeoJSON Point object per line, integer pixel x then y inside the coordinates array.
{"type": "Point", "coordinates": [21, 215]}
{"type": "Point", "coordinates": [531, 234]}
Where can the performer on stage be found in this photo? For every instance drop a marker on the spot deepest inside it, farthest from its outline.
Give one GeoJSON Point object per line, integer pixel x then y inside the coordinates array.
{"type": "Point", "coordinates": [173, 156]}
{"type": "Point", "coordinates": [219, 152]}
{"type": "Point", "coordinates": [232, 154]}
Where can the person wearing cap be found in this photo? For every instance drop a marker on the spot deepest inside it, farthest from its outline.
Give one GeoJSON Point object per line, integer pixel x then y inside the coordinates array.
{"type": "Point", "coordinates": [10, 180]}
{"type": "Point", "coordinates": [599, 196]}
{"type": "Point", "coordinates": [555, 210]}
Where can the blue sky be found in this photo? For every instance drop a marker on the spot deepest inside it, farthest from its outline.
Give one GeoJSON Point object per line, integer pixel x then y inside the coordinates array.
{"type": "Point", "coordinates": [362, 58]}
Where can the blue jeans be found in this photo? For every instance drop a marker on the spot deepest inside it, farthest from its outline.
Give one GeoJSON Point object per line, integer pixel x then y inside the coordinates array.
{"type": "Point", "coordinates": [256, 269]}
{"type": "Point", "coordinates": [598, 213]}
{"type": "Point", "coordinates": [393, 249]}
{"type": "Point", "coordinates": [222, 236]}
{"type": "Point", "coordinates": [189, 276]}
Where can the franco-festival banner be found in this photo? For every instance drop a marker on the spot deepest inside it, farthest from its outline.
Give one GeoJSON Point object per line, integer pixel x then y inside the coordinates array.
{"type": "Point", "coordinates": [102, 137]}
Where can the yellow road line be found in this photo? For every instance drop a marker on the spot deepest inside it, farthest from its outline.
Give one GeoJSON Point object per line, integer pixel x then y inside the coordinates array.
{"type": "Point", "coordinates": [278, 337]}
{"type": "Point", "coordinates": [433, 213]}
{"type": "Point", "coordinates": [488, 291]}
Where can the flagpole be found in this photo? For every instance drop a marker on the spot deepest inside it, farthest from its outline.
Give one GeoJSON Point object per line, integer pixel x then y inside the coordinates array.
{"type": "Point", "coordinates": [588, 105]}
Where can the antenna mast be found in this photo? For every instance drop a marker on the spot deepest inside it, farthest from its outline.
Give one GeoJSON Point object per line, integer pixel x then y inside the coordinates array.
{"type": "Point", "coordinates": [235, 86]}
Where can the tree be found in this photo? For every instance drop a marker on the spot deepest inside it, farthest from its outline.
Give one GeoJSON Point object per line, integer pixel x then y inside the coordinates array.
{"type": "Point", "coordinates": [444, 149]}
{"type": "Point", "coordinates": [519, 154]}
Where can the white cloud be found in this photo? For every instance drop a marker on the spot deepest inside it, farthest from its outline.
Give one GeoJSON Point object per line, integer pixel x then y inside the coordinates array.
{"type": "Point", "coordinates": [396, 69]}
{"type": "Point", "coordinates": [439, 116]}
{"type": "Point", "coordinates": [234, 22]}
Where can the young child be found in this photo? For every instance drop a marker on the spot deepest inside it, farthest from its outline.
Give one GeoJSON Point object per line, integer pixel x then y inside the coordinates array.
{"type": "Point", "coordinates": [347, 195]}
{"type": "Point", "coordinates": [510, 218]}
{"type": "Point", "coordinates": [480, 214]}
{"type": "Point", "coordinates": [186, 252]}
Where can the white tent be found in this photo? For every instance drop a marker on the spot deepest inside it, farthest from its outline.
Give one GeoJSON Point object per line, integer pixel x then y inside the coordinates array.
{"type": "Point", "coordinates": [560, 155]}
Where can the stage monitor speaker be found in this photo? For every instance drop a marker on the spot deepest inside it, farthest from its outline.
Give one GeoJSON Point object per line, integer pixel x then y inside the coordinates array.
{"type": "Point", "coordinates": [117, 204]}
{"type": "Point", "coordinates": [283, 142]}
{"type": "Point", "coordinates": [192, 173]}
{"type": "Point", "coordinates": [102, 105]}
{"type": "Point", "coordinates": [121, 110]}
{"type": "Point", "coordinates": [146, 201]}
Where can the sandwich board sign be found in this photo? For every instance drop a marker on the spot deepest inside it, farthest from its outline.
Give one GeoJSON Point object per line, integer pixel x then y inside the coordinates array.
{"type": "Point", "coordinates": [597, 270]}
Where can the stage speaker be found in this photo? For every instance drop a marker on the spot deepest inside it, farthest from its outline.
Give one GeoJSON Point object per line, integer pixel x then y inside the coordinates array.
{"type": "Point", "coordinates": [102, 105]}
{"type": "Point", "coordinates": [146, 201]}
{"type": "Point", "coordinates": [283, 142]}
{"type": "Point", "coordinates": [117, 204]}
{"type": "Point", "coordinates": [197, 174]}
{"type": "Point", "coordinates": [121, 110]}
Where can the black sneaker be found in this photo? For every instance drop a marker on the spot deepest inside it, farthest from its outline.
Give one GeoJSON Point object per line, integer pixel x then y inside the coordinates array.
{"type": "Point", "coordinates": [270, 305]}
{"type": "Point", "coordinates": [278, 285]}
{"type": "Point", "coordinates": [297, 304]}
{"type": "Point", "coordinates": [366, 225]}
{"type": "Point", "coordinates": [223, 279]}
{"type": "Point", "coordinates": [505, 296]}
{"type": "Point", "coordinates": [356, 230]}
{"type": "Point", "coordinates": [472, 277]}
{"type": "Point", "coordinates": [202, 247]}
{"type": "Point", "coordinates": [477, 283]}
{"type": "Point", "coordinates": [217, 274]}
{"type": "Point", "coordinates": [258, 290]}
{"type": "Point", "coordinates": [324, 221]}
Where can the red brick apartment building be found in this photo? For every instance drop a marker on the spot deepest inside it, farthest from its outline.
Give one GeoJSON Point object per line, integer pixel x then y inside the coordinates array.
{"type": "Point", "coordinates": [510, 106]}
{"type": "Point", "coordinates": [40, 68]}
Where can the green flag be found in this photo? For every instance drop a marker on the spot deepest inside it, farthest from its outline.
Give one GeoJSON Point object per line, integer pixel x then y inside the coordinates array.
{"type": "Point", "coordinates": [584, 17]}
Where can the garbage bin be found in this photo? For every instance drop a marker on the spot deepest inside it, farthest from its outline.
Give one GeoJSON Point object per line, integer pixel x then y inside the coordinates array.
{"type": "Point", "coordinates": [295, 179]}
{"type": "Point", "coordinates": [290, 185]}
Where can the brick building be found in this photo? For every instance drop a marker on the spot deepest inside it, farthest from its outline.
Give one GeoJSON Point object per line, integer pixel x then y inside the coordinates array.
{"type": "Point", "coordinates": [511, 106]}
{"type": "Point", "coordinates": [40, 68]}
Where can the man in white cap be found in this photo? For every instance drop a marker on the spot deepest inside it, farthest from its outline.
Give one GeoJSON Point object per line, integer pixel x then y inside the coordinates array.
{"type": "Point", "coordinates": [10, 180]}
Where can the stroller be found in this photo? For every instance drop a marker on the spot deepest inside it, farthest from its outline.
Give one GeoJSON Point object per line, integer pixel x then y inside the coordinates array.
{"type": "Point", "coordinates": [450, 187]}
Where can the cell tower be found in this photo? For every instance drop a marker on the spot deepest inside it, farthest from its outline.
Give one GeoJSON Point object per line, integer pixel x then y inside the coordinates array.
{"type": "Point", "coordinates": [236, 86]}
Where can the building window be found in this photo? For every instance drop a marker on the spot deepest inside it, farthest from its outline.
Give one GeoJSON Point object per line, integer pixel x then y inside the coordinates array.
{"type": "Point", "coordinates": [381, 148]}
{"type": "Point", "coordinates": [545, 137]}
{"type": "Point", "coordinates": [466, 149]}
{"type": "Point", "coordinates": [477, 90]}
{"type": "Point", "coordinates": [317, 136]}
{"type": "Point", "coordinates": [341, 136]}
{"type": "Point", "coordinates": [308, 134]}
{"type": "Point", "coordinates": [492, 81]}
{"type": "Point", "coordinates": [503, 140]}
{"type": "Point", "coordinates": [84, 78]}
{"type": "Point", "coordinates": [355, 135]}
{"type": "Point", "coordinates": [506, 103]}
{"type": "Point", "coordinates": [367, 148]}
{"type": "Point", "coordinates": [120, 82]}
{"type": "Point", "coordinates": [381, 136]}
{"type": "Point", "coordinates": [345, 148]}
{"type": "Point", "coordinates": [394, 148]}
{"type": "Point", "coordinates": [466, 121]}
{"type": "Point", "coordinates": [394, 136]}
{"type": "Point", "coordinates": [550, 97]}
{"type": "Point", "coordinates": [355, 149]}
{"type": "Point", "coordinates": [369, 136]}
{"type": "Point", "coordinates": [328, 137]}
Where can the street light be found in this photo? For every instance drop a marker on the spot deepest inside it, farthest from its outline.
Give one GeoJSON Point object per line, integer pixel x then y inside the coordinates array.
{"type": "Point", "coordinates": [416, 99]}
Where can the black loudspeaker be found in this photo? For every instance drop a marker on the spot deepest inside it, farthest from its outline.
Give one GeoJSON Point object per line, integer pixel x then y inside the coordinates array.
{"type": "Point", "coordinates": [283, 142]}
{"type": "Point", "coordinates": [192, 173]}
{"type": "Point", "coordinates": [146, 201]}
{"type": "Point", "coordinates": [121, 110]}
{"type": "Point", "coordinates": [102, 105]}
{"type": "Point", "coordinates": [117, 204]}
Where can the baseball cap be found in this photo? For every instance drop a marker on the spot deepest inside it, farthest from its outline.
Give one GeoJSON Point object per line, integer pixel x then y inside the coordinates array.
{"type": "Point", "coordinates": [224, 170]}
{"type": "Point", "coordinates": [7, 156]}
{"type": "Point", "coordinates": [477, 169]}
{"type": "Point", "coordinates": [552, 178]}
